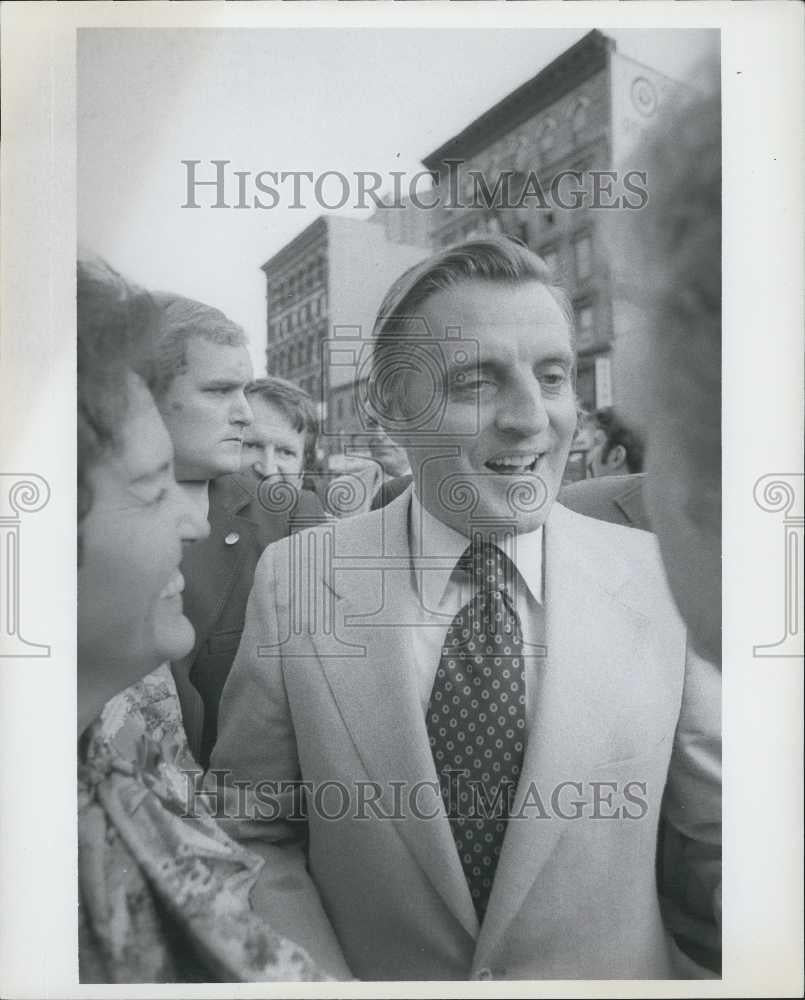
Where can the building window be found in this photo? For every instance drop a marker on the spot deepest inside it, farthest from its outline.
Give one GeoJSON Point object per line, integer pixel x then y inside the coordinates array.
{"type": "Point", "coordinates": [339, 408]}
{"type": "Point", "coordinates": [579, 116]}
{"type": "Point", "coordinates": [585, 386]}
{"type": "Point", "coordinates": [547, 135]}
{"type": "Point", "coordinates": [585, 325]}
{"type": "Point", "coordinates": [583, 257]}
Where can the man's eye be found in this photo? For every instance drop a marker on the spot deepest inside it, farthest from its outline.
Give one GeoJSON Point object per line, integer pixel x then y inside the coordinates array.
{"type": "Point", "coordinates": [470, 383]}
{"type": "Point", "coordinates": [157, 500]}
{"type": "Point", "coordinates": [553, 380]}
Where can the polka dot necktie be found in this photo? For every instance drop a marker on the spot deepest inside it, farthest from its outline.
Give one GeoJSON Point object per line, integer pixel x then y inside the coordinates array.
{"type": "Point", "coordinates": [476, 717]}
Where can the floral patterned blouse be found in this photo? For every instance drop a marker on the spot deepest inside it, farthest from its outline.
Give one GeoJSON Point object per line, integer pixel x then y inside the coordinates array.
{"type": "Point", "coordinates": [163, 891]}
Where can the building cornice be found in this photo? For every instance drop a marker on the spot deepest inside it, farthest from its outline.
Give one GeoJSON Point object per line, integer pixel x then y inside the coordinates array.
{"type": "Point", "coordinates": [310, 235]}
{"type": "Point", "coordinates": [588, 56]}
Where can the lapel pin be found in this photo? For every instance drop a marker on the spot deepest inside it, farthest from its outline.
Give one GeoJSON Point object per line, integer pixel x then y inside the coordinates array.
{"type": "Point", "coordinates": [231, 538]}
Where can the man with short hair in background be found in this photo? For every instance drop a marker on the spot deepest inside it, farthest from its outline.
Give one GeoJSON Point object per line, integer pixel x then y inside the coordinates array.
{"type": "Point", "coordinates": [203, 372]}
{"type": "Point", "coordinates": [615, 464]}
{"type": "Point", "coordinates": [281, 441]}
{"type": "Point", "coordinates": [617, 449]}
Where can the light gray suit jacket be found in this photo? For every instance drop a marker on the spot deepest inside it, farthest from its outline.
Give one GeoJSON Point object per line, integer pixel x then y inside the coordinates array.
{"type": "Point", "coordinates": [323, 689]}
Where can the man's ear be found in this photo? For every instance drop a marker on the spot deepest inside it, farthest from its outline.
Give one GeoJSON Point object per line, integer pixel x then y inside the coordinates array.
{"type": "Point", "coordinates": [616, 459]}
{"type": "Point", "coordinates": [394, 409]}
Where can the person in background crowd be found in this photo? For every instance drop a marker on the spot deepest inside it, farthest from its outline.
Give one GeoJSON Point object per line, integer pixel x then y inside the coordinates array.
{"type": "Point", "coordinates": [614, 456]}
{"type": "Point", "coordinates": [432, 663]}
{"type": "Point", "coordinates": [203, 368]}
{"type": "Point", "coordinates": [281, 440]}
{"type": "Point", "coordinates": [203, 371]}
{"type": "Point", "coordinates": [617, 450]}
{"type": "Point", "coordinates": [668, 271]}
{"type": "Point", "coordinates": [163, 895]}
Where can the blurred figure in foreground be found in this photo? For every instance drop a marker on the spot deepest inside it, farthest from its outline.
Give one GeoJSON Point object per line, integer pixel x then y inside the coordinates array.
{"type": "Point", "coordinates": [668, 276]}
{"type": "Point", "coordinates": [164, 893]}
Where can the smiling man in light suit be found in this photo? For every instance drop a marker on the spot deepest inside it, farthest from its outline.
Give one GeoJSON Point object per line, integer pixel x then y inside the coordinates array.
{"type": "Point", "coordinates": [491, 699]}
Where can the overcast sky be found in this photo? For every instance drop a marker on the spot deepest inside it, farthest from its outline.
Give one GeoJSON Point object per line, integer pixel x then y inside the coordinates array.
{"type": "Point", "coordinates": [282, 100]}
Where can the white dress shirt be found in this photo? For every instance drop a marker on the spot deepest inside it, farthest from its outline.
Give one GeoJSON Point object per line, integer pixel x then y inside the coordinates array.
{"type": "Point", "coordinates": [443, 590]}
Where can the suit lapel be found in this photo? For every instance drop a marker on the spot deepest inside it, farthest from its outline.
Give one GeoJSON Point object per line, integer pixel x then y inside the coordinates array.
{"type": "Point", "coordinates": [630, 502]}
{"type": "Point", "coordinates": [379, 700]}
{"type": "Point", "coordinates": [593, 641]}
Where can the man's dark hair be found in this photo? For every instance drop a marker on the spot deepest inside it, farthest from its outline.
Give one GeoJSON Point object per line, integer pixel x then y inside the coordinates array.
{"type": "Point", "coordinates": [618, 434]}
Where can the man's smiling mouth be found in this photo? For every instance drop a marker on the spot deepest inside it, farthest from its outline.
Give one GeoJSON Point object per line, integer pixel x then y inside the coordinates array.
{"type": "Point", "coordinates": [515, 464]}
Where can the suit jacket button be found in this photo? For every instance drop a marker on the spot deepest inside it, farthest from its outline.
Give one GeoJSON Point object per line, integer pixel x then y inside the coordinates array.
{"type": "Point", "coordinates": [484, 974]}
{"type": "Point", "coordinates": [231, 538]}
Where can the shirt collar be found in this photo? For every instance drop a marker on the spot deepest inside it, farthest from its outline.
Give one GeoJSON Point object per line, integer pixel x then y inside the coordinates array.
{"type": "Point", "coordinates": [432, 538]}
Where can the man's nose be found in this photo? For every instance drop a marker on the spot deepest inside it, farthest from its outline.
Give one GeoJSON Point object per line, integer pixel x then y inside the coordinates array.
{"type": "Point", "coordinates": [241, 412]}
{"type": "Point", "coordinates": [267, 464]}
{"type": "Point", "coordinates": [523, 410]}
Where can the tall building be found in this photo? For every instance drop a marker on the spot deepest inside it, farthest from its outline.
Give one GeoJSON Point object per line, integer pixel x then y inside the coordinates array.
{"type": "Point", "coordinates": [583, 112]}
{"type": "Point", "coordinates": [323, 290]}
{"type": "Point", "coordinates": [405, 222]}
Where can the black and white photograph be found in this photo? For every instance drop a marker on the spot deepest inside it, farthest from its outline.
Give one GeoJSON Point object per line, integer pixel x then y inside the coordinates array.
{"type": "Point", "coordinates": [399, 389]}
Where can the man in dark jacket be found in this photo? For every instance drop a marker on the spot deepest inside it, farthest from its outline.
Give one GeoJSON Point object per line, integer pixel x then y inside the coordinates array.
{"type": "Point", "coordinates": [203, 374]}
